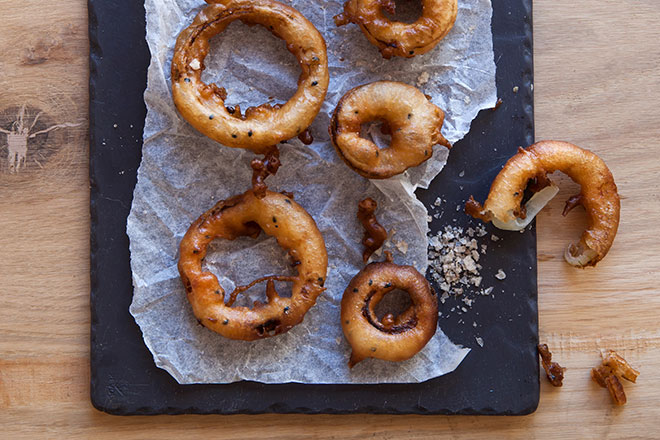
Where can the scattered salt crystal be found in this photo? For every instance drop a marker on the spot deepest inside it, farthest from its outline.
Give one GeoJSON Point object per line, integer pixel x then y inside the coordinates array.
{"type": "Point", "coordinates": [423, 78]}
{"type": "Point", "coordinates": [195, 64]}
{"type": "Point", "coordinates": [479, 341]}
{"type": "Point", "coordinates": [494, 237]}
{"type": "Point", "coordinates": [500, 275]}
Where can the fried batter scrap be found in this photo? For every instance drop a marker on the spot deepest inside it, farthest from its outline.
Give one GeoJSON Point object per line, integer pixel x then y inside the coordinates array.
{"type": "Point", "coordinates": [262, 168]}
{"type": "Point", "coordinates": [608, 375]}
{"type": "Point", "coordinates": [619, 366]}
{"type": "Point", "coordinates": [553, 370]}
{"type": "Point", "coordinates": [374, 234]}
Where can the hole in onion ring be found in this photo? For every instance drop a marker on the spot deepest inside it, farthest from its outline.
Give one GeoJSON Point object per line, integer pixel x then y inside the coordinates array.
{"type": "Point", "coordinates": [377, 132]}
{"type": "Point", "coordinates": [260, 70]}
{"type": "Point", "coordinates": [406, 11]}
{"type": "Point", "coordinates": [231, 261]}
{"type": "Point", "coordinates": [395, 303]}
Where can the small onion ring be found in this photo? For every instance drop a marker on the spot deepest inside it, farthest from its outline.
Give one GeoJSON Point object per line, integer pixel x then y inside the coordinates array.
{"type": "Point", "coordinates": [395, 38]}
{"type": "Point", "coordinates": [203, 105]}
{"type": "Point", "coordinates": [413, 121]}
{"type": "Point", "coordinates": [392, 339]}
{"type": "Point", "coordinates": [247, 215]}
{"type": "Point", "coordinates": [598, 195]}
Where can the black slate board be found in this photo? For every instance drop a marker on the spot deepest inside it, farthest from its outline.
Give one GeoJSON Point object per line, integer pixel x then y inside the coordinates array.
{"type": "Point", "coordinates": [500, 378]}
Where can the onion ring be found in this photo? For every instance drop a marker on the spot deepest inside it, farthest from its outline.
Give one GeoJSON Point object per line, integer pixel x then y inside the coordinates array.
{"type": "Point", "coordinates": [247, 215]}
{"type": "Point", "coordinates": [598, 195]}
{"type": "Point", "coordinates": [392, 339]}
{"type": "Point", "coordinates": [203, 105]}
{"type": "Point", "coordinates": [395, 38]}
{"type": "Point", "coordinates": [412, 120]}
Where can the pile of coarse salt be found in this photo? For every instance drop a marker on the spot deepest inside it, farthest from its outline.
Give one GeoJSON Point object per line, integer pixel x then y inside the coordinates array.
{"type": "Point", "coordinates": [454, 254]}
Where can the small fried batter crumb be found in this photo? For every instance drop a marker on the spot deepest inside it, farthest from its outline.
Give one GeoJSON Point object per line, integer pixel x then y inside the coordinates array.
{"type": "Point", "coordinates": [262, 168]}
{"type": "Point", "coordinates": [553, 370]}
{"type": "Point", "coordinates": [374, 234]}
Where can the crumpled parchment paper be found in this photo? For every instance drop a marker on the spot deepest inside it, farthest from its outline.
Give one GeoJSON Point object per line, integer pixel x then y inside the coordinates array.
{"type": "Point", "coordinates": [183, 174]}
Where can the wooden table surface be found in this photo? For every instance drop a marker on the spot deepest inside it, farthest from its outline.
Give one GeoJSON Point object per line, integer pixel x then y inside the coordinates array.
{"type": "Point", "coordinates": [597, 84]}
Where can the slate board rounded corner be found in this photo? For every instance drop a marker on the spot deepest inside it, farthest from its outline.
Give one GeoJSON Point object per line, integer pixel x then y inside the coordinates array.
{"type": "Point", "coordinates": [124, 378]}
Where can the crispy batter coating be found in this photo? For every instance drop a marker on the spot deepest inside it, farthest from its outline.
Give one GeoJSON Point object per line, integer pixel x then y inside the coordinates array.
{"type": "Point", "coordinates": [203, 105]}
{"type": "Point", "coordinates": [598, 196]}
{"type": "Point", "coordinates": [247, 215]}
{"type": "Point", "coordinates": [413, 121]}
{"type": "Point", "coordinates": [395, 38]}
{"type": "Point", "coordinates": [553, 370]}
{"type": "Point", "coordinates": [374, 234]}
{"type": "Point", "coordinates": [392, 338]}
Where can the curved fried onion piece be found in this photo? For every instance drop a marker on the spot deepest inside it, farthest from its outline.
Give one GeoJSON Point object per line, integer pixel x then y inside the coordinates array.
{"type": "Point", "coordinates": [598, 196]}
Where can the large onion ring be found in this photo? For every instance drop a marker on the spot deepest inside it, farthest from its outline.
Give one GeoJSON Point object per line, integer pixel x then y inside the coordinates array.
{"type": "Point", "coordinates": [413, 121]}
{"type": "Point", "coordinates": [394, 38]}
{"type": "Point", "coordinates": [203, 105]}
{"type": "Point", "coordinates": [598, 195]}
{"type": "Point", "coordinates": [247, 215]}
{"type": "Point", "coordinates": [392, 339]}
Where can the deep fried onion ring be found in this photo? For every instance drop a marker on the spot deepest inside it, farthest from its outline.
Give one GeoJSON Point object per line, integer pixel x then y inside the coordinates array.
{"type": "Point", "coordinates": [392, 339]}
{"type": "Point", "coordinates": [203, 105]}
{"type": "Point", "coordinates": [374, 234]}
{"type": "Point", "coordinates": [412, 120]}
{"type": "Point", "coordinates": [395, 38]}
{"type": "Point", "coordinates": [247, 215]}
{"type": "Point", "coordinates": [598, 195]}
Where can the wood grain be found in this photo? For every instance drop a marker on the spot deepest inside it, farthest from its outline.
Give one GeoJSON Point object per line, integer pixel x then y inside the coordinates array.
{"type": "Point", "coordinates": [597, 84]}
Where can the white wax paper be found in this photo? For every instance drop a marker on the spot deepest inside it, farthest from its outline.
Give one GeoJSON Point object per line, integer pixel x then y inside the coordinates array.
{"type": "Point", "coordinates": [183, 174]}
